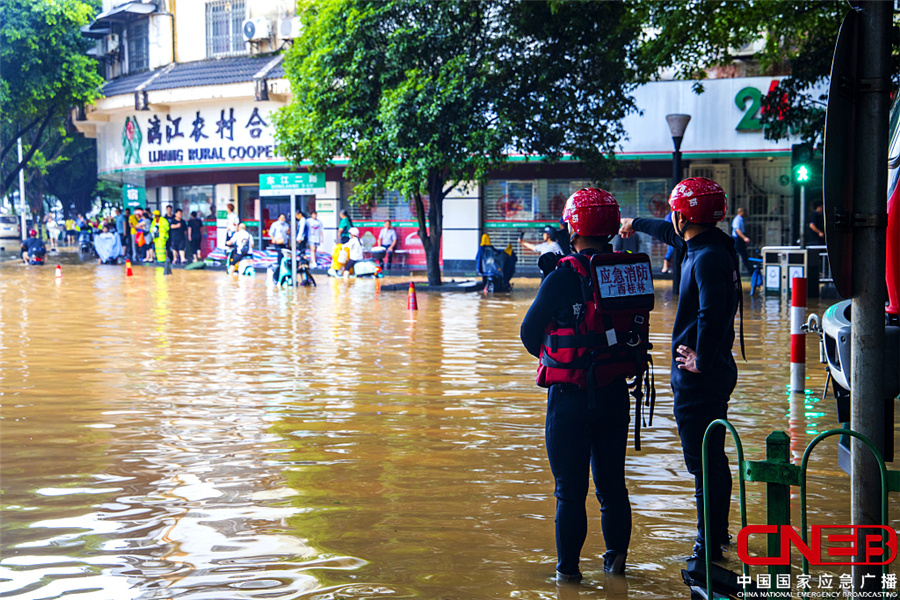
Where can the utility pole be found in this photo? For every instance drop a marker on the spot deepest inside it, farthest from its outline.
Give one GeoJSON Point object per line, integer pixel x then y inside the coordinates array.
{"type": "Point", "coordinates": [294, 233]}
{"type": "Point", "coordinates": [870, 220]}
{"type": "Point", "coordinates": [22, 203]}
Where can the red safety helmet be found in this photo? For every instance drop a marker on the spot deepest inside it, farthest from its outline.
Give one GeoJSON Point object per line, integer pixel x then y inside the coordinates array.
{"type": "Point", "coordinates": [592, 212]}
{"type": "Point", "coordinates": [699, 199]}
{"type": "Point", "coordinates": [32, 233]}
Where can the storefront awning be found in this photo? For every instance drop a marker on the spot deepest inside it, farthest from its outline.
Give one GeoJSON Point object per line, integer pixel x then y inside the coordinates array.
{"type": "Point", "coordinates": [99, 33]}
{"type": "Point", "coordinates": [121, 14]}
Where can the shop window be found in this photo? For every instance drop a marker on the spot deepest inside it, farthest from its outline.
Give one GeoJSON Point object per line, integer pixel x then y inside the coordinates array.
{"type": "Point", "coordinates": [764, 189]}
{"type": "Point", "coordinates": [224, 19]}
{"type": "Point", "coordinates": [510, 201]}
{"type": "Point", "coordinates": [248, 210]}
{"type": "Point", "coordinates": [248, 202]}
{"type": "Point", "coordinates": [137, 37]}
{"type": "Point", "coordinates": [199, 198]}
{"type": "Point", "coordinates": [516, 210]}
{"type": "Point", "coordinates": [390, 205]}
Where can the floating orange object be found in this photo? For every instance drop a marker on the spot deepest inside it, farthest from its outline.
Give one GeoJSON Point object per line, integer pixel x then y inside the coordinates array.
{"type": "Point", "coordinates": [58, 271]}
{"type": "Point", "coordinates": [411, 303]}
{"type": "Point", "coordinates": [128, 271]}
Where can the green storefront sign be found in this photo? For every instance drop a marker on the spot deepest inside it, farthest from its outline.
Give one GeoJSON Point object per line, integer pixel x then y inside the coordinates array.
{"type": "Point", "coordinates": [134, 197]}
{"type": "Point", "coordinates": [287, 184]}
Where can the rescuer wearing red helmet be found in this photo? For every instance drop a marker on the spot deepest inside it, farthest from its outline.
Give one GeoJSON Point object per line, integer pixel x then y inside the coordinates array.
{"type": "Point", "coordinates": [584, 362]}
{"type": "Point", "coordinates": [703, 370]}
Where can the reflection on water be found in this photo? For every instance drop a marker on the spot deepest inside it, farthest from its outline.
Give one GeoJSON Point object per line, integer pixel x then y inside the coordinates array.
{"type": "Point", "coordinates": [205, 437]}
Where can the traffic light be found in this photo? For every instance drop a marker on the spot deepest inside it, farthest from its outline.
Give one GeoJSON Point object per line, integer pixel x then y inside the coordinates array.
{"type": "Point", "coordinates": [801, 163]}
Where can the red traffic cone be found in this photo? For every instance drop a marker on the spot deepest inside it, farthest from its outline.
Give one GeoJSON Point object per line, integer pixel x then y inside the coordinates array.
{"type": "Point", "coordinates": [58, 271]}
{"type": "Point", "coordinates": [411, 303]}
{"type": "Point", "coordinates": [128, 271]}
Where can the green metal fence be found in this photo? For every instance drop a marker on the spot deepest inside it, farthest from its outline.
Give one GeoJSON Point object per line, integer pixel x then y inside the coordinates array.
{"type": "Point", "coordinates": [779, 474]}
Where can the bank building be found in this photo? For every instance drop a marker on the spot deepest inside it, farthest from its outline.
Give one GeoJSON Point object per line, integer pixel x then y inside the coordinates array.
{"type": "Point", "coordinates": [186, 119]}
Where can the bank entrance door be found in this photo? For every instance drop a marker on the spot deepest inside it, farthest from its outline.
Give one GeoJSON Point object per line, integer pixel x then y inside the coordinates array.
{"type": "Point", "coordinates": [277, 205]}
{"type": "Point", "coordinates": [271, 209]}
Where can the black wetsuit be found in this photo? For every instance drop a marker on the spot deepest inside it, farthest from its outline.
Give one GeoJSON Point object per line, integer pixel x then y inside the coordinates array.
{"type": "Point", "coordinates": [581, 435]}
{"type": "Point", "coordinates": [562, 238]}
{"type": "Point", "coordinates": [704, 322]}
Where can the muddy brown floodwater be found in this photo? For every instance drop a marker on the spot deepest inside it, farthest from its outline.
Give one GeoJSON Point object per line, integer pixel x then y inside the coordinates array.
{"type": "Point", "coordinates": [200, 436]}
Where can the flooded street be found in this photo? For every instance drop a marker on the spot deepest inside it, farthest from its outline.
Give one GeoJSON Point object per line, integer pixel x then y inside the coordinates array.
{"type": "Point", "coordinates": [199, 436]}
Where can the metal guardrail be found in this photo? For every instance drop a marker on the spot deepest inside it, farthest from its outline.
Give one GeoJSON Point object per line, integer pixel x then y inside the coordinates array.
{"type": "Point", "coordinates": [804, 464]}
{"type": "Point", "coordinates": [780, 474]}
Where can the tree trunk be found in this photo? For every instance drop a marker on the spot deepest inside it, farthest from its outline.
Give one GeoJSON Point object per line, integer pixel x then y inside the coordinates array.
{"type": "Point", "coordinates": [11, 177]}
{"type": "Point", "coordinates": [431, 236]}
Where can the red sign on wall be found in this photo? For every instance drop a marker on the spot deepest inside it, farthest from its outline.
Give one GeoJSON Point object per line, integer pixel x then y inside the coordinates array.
{"type": "Point", "coordinates": [209, 238]}
{"type": "Point", "coordinates": [409, 250]}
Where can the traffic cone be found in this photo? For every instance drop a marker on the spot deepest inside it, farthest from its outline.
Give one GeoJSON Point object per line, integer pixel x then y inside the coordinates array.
{"type": "Point", "coordinates": [58, 271]}
{"type": "Point", "coordinates": [128, 271]}
{"type": "Point", "coordinates": [411, 303]}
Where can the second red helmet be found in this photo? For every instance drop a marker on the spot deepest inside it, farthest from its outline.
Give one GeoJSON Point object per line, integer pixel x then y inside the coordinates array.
{"type": "Point", "coordinates": [592, 212]}
{"type": "Point", "coordinates": [699, 199]}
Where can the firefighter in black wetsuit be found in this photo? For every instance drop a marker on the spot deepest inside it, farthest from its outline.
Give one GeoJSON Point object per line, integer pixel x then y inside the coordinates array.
{"type": "Point", "coordinates": [585, 366]}
{"type": "Point", "coordinates": [703, 369]}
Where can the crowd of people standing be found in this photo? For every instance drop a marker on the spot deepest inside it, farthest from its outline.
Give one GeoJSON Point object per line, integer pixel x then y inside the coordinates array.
{"type": "Point", "coordinates": [149, 236]}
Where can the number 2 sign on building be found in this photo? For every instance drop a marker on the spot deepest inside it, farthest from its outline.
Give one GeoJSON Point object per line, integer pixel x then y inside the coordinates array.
{"type": "Point", "coordinates": [749, 100]}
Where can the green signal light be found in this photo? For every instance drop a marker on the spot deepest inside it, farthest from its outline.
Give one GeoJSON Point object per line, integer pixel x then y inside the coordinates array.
{"type": "Point", "coordinates": [802, 173]}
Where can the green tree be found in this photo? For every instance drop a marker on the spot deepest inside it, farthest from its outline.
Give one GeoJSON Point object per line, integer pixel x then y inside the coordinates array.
{"type": "Point", "coordinates": [420, 96]}
{"type": "Point", "coordinates": [797, 39]}
{"type": "Point", "coordinates": [72, 178]}
{"type": "Point", "coordinates": [45, 73]}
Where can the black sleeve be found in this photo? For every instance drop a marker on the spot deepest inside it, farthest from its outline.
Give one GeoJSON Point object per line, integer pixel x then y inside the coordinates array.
{"type": "Point", "coordinates": [555, 293]}
{"type": "Point", "coordinates": [661, 230]}
{"type": "Point", "coordinates": [715, 317]}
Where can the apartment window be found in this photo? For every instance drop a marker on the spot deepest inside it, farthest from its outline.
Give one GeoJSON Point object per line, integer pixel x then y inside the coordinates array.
{"type": "Point", "coordinates": [137, 36]}
{"type": "Point", "coordinates": [224, 19]}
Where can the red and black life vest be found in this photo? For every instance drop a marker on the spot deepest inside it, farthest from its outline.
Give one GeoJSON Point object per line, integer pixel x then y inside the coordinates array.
{"type": "Point", "coordinates": [608, 335]}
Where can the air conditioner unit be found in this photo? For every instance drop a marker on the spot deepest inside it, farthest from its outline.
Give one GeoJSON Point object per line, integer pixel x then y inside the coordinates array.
{"type": "Point", "coordinates": [290, 28]}
{"type": "Point", "coordinates": [112, 43]}
{"type": "Point", "coordinates": [256, 29]}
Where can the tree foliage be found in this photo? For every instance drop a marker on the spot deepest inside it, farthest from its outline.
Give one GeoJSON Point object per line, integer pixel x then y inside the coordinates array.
{"type": "Point", "coordinates": [45, 73]}
{"type": "Point", "coordinates": [797, 39]}
{"type": "Point", "coordinates": [419, 96]}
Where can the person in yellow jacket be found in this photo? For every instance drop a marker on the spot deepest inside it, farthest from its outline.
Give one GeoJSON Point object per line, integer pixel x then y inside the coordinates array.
{"type": "Point", "coordinates": [70, 231]}
{"type": "Point", "coordinates": [336, 255]}
{"type": "Point", "coordinates": [132, 230]}
{"type": "Point", "coordinates": [160, 229]}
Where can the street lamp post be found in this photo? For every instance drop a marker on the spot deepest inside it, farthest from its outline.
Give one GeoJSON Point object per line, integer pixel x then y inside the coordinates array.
{"type": "Point", "coordinates": [677, 125]}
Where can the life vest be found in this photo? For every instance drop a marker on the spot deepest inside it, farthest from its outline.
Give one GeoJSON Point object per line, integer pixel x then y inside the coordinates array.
{"type": "Point", "coordinates": [608, 336]}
